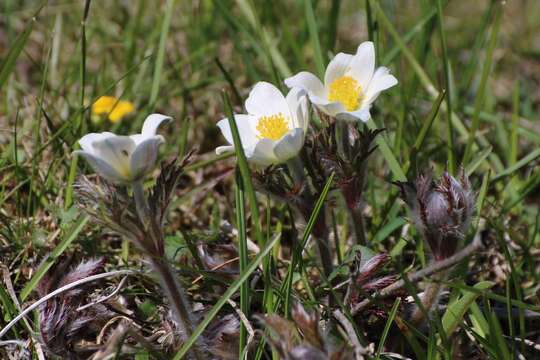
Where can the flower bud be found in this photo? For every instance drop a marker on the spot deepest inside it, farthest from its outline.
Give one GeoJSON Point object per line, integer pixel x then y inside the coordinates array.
{"type": "Point", "coordinates": [441, 210]}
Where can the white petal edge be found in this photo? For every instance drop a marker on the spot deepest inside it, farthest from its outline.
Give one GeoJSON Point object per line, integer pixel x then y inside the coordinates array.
{"type": "Point", "coordinates": [265, 99]}
{"type": "Point", "coordinates": [245, 124]}
{"type": "Point", "coordinates": [297, 101]}
{"type": "Point", "coordinates": [262, 153]}
{"type": "Point", "coordinates": [307, 81]}
{"type": "Point", "coordinates": [362, 65]}
{"type": "Point", "coordinates": [152, 123]}
{"type": "Point", "coordinates": [223, 149]}
{"type": "Point", "coordinates": [330, 108]}
{"type": "Point", "coordinates": [362, 115]}
{"type": "Point", "coordinates": [336, 68]}
{"type": "Point", "coordinates": [101, 167]}
{"type": "Point", "coordinates": [87, 141]}
{"type": "Point", "coordinates": [116, 151]}
{"type": "Point", "coordinates": [289, 145]}
{"type": "Point", "coordinates": [143, 160]}
{"type": "Point", "coordinates": [382, 80]}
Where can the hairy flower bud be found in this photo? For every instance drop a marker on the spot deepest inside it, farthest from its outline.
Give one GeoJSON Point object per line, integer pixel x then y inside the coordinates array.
{"type": "Point", "coordinates": [442, 210]}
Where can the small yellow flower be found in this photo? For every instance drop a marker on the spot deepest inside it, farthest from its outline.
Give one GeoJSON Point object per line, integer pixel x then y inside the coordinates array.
{"type": "Point", "coordinates": [115, 108]}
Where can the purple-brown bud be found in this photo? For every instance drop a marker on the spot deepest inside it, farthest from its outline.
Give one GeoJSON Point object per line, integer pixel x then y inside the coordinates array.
{"type": "Point", "coordinates": [442, 210]}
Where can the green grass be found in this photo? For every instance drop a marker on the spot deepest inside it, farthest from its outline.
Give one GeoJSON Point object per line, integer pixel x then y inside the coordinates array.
{"type": "Point", "coordinates": [467, 98]}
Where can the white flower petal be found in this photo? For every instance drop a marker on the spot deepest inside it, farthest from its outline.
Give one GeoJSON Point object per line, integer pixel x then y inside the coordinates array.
{"type": "Point", "coordinates": [87, 141]}
{"type": "Point", "coordinates": [381, 81]}
{"type": "Point", "coordinates": [101, 167]}
{"type": "Point", "coordinates": [362, 65]}
{"type": "Point", "coordinates": [143, 159]}
{"type": "Point", "coordinates": [245, 124]}
{"type": "Point", "coordinates": [297, 100]}
{"type": "Point", "coordinates": [262, 153]}
{"type": "Point", "coordinates": [361, 114]}
{"type": "Point", "coordinates": [337, 68]}
{"type": "Point", "coordinates": [307, 81]}
{"type": "Point", "coordinates": [330, 108]}
{"type": "Point", "coordinates": [152, 123]}
{"type": "Point", "coordinates": [116, 151]}
{"type": "Point", "coordinates": [289, 145]}
{"type": "Point", "coordinates": [223, 149]}
{"type": "Point", "coordinates": [265, 100]}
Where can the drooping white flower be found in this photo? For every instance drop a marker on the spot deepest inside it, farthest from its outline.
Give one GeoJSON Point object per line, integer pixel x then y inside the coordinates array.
{"type": "Point", "coordinates": [274, 127]}
{"type": "Point", "coordinates": [351, 84]}
{"type": "Point", "coordinates": [124, 159]}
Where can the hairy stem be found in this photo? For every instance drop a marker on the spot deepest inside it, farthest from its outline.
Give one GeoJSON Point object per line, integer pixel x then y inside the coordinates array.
{"type": "Point", "coordinates": [359, 225]}
{"type": "Point", "coordinates": [173, 289]}
{"type": "Point", "coordinates": [296, 167]}
{"type": "Point", "coordinates": [179, 303]}
{"type": "Point", "coordinates": [429, 298]}
{"type": "Point", "coordinates": [432, 269]}
{"type": "Point", "coordinates": [321, 235]}
{"type": "Point", "coordinates": [141, 202]}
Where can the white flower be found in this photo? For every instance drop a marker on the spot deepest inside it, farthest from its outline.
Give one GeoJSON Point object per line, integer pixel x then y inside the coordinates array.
{"type": "Point", "coordinates": [274, 127]}
{"type": "Point", "coordinates": [124, 159]}
{"type": "Point", "coordinates": [351, 84]}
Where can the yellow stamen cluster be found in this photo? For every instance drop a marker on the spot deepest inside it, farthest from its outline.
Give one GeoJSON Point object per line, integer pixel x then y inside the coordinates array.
{"type": "Point", "coordinates": [272, 127]}
{"type": "Point", "coordinates": [115, 108]}
{"type": "Point", "coordinates": [347, 91]}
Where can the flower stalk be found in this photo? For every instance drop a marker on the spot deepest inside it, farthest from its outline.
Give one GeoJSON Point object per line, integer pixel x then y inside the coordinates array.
{"type": "Point", "coordinates": [429, 298]}
{"type": "Point", "coordinates": [178, 301]}
{"type": "Point", "coordinates": [171, 286]}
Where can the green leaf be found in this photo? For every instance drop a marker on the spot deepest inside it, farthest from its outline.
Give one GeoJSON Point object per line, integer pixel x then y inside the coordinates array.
{"type": "Point", "coordinates": [457, 310]}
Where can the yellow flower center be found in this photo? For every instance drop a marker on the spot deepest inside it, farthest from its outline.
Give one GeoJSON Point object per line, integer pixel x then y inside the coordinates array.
{"type": "Point", "coordinates": [272, 127]}
{"type": "Point", "coordinates": [347, 91]}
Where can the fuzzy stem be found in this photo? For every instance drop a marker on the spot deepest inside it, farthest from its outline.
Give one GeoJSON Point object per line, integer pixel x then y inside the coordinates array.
{"type": "Point", "coordinates": [343, 134]}
{"type": "Point", "coordinates": [141, 202]}
{"type": "Point", "coordinates": [296, 167]}
{"type": "Point", "coordinates": [179, 302]}
{"type": "Point", "coordinates": [359, 226]}
{"type": "Point", "coordinates": [432, 269]}
{"type": "Point", "coordinates": [325, 255]}
{"type": "Point", "coordinates": [429, 298]}
{"type": "Point", "coordinates": [173, 289]}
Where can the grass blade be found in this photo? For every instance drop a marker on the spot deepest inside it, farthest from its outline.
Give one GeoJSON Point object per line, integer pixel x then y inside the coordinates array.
{"type": "Point", "coordinates": [446, 66]}
{"type": "Point", "coordinates": [158, 68]}
{"type": "Point", "coordinates": [49, 261]}
{"type": "Point", "coordinates": [226, 296]}
{"type": "Point", "coordinates": [391, 317]}
{"type": "Point", "coordinates": [480, 95]}
{"type": "Point", "coordinates": [11, 58]}
{"type": "Point", "coordinates": [242, 253]}
{"type": "Point", "coordinates": [388, 155]}
{"type": "Point", "coordinates": [314, 35]}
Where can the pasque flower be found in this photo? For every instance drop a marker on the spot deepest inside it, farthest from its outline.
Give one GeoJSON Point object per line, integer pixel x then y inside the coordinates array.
{"type": "Point", "coordinates": [442, 210]}
{"type": "Point", "coordinates": [114, 108]}
{"type": "Point", "coordinates": [124, 159]}
{"type": "Point", "coordinates": [274, 127]}
{"type": "Point", "coordinates": [351, 84]}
